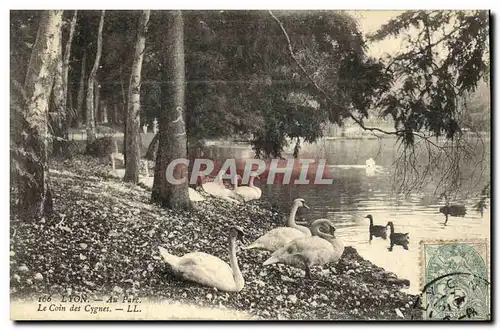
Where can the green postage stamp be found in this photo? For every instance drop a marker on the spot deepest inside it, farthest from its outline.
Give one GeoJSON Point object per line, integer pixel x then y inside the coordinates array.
{"type": "Point", "coordinates": [455, 280]}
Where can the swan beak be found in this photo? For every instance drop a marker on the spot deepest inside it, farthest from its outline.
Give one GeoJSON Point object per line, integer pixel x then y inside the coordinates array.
{"type": "Point", "coordinates": [305, 205]}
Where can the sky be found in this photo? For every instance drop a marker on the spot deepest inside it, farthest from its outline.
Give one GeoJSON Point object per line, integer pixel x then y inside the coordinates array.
{"type": "Point", "coordinates": [370, 21]}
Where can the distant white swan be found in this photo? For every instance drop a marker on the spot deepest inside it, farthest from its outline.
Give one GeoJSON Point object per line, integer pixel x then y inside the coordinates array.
{"type": "Point", "coordinates": [371, 167]}
{"type": "Point", "coordinates": [148, 181]}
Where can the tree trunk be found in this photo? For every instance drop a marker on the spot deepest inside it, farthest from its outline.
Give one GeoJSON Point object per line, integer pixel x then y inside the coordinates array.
{"type": "Point", "coordinates": [90, 86]}
{"type": "Point", "coordinates": [116, 113]}
{"type": "Point", "coordinates": [71, 105]}
{"type": "Point", "coordinates": [153, 147]}
{"type": "Point", "coordinates": [34, 190]}
{"type": "Point", "coordinates": [67, 56]}
{"type": "Point", "coordinates": [104, 110]}
{"type": "Point", "coordinates": [97, 96]}
{"type": "Point", "coordinates": [60, 144]}
{"type": "Point", "coordinates": [123, 114]}
{"type": "Point", "coordinates": [59, 111]}
{"type": "Point", "coordinates": [172, 139]}
{"type": "Point", "coordinates": [81, 91]}
{"type": "Point", "coordinates": [132, 132]}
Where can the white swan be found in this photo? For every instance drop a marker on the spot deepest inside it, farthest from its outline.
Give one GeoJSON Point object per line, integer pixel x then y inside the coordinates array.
{"type": "Point", "coordinates": [279, 237]}
{"type": "Point", "coordinates": [249, 192]}
{"type": "Point", "coordinates": [217, 189]}
{"type": "Point", "coordinates": [319, 249]}
{"type": "Point", "coordinates": [371, 167]}
{"type": "Point", "coordinates": [148, 181]}
{"type": "Point", "coordinates": [208, 270]}
{"type": "Point", "coordinates": [195, 196]}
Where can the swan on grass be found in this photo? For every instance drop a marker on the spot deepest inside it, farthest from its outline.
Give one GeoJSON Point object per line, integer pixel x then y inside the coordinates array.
{"type": "Point", "coordinates": [195, 196]}
{"type": "Point", "coordinates": [207, 269]}
{"type": "Point", "coordinates": [217, 189]}
{"type": "Point", "coordinates": [249, 192]}
{"type": "Point", "coordinates": [148, 181]}
{"type": "Point", "coordinates": [279, 237]}
{"type": "Point", "coordinates": [319, 249]}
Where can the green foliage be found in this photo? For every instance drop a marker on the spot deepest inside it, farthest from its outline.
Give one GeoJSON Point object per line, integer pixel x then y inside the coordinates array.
{"type": "Point", "coordinates": [245, 83]}
{"type": "Point", "coordinates": [445, 59]}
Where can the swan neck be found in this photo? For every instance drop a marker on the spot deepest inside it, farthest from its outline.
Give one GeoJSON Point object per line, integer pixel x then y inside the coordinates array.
{"type": "Point", "coordinates": [250, 184]}
{"type": "Point", "coordinates": [238, 277]}
{"type": "Point", "coordinates": [371, 222]}
{"type": "Point", "coordinates": [315, 231]}
{"type": "Point", "coordinates": [326, 236]}
{"type": "Point", "coordinates": [336, 243]}
{"type": "Point", "coordinates": [392, 228]}
{"type": "Point", "coordinates": [291, 219]}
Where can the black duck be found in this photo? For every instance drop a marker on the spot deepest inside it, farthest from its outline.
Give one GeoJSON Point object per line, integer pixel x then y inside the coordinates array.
{"type": "Point", "coordinates": [455, 210]}
{"type": "Point", "coordinates": [398, 238]}
{"type": "Point", "coordinates": [376, 230]}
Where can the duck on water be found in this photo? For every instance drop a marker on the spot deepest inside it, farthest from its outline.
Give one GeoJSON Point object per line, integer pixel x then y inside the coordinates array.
{"type": "Point", "coordinates": [376, 230]}
{"type": "Point", "coordinates": [398, 238]}
{"type": "Point", "coordinates": [455, 210]}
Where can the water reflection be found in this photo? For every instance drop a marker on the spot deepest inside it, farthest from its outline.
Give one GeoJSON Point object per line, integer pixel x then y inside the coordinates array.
{"type": "Point", "coordinates": [354, 194]}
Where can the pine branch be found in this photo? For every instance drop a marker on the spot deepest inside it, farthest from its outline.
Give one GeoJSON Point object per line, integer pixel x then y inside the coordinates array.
{"type": "Point", "coordinates": [424, 49]}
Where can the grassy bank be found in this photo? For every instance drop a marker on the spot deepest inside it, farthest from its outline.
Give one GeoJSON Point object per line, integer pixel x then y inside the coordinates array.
{"type": "Point", "coordinates": [105, 235]}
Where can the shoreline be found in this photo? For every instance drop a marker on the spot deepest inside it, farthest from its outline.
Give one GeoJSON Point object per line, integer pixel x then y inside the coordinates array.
{"type": "Point", "coordinates": [104, 238]}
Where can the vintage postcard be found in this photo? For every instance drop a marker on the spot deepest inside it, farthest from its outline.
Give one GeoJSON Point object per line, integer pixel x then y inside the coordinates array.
{"type": "Point", "coordinates": [250, 165]}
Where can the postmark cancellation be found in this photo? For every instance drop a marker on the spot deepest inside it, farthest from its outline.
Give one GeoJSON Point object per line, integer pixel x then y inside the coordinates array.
{"type": "Point", "coordinates": [455, 280]}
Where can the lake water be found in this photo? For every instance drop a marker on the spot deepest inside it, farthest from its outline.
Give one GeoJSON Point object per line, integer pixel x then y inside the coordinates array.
{"type": "Point", "coordinates": [356, 193]}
